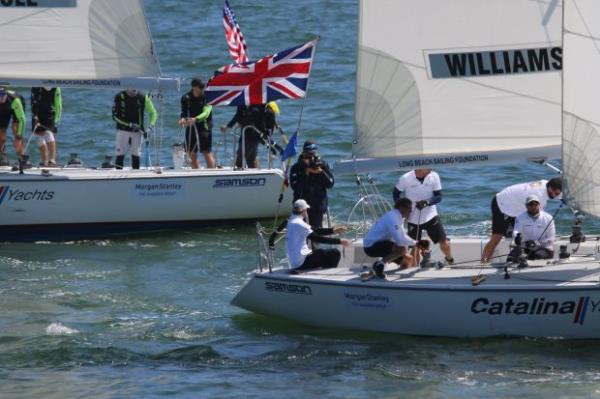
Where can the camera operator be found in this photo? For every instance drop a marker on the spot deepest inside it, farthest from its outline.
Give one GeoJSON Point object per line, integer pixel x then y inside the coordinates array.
{"type": "Point", "coordinates": [310, 178]}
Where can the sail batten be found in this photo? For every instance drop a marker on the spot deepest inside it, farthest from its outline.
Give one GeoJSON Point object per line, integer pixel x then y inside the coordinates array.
{"type": "Point", "coordinates": [88, 42]}
{"type": "Point", "coordinates": [433, 79]}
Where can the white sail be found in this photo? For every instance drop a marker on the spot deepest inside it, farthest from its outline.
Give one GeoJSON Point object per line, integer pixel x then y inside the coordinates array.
{"type": "Point", "coordinates": [448, 82]}
{"type": "Point", "coordinates": [93, 43]}
{"type": "Point", "coordinates": [581, 117]}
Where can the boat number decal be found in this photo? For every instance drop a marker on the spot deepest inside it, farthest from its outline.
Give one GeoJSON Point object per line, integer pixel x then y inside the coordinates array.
{"type": "Point", "coordinates": [443, 65]}
{"type": "Point", "coordinates": [288, 288]}
{"type": "Point", "coordinates": [538, 306]}
{"type": "Point", "coordinates": [6, 194]}
{"type": "Point", "coordinates": [39, 3]}
{"type": "Point", "coordinates": [157, 190]}
{"type": "Point", "coordinates": [247, 182]}
{"type": "Point", "coordinates": [367, 300]}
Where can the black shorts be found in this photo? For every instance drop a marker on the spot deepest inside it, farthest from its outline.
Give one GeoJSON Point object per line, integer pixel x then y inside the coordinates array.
{"type": "Point", "coordinates": [46, 123]}
{"type": "Point", "coordinates": [501, 223]}
{"type": "Point", "coordinates": [434, 228]}
{"type": "Point", "coordinates": [251, 150]}
{"type": "Point", "coordinates": [380, 249]}
{"type": "Point", "coordinates": [5, 120]}
{"type": "Point", "coordinates": [191, 140]}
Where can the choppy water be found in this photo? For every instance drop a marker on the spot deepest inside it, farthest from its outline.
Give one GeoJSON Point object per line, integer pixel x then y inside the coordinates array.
{"type": "Point", "coordinates": [149, 316]}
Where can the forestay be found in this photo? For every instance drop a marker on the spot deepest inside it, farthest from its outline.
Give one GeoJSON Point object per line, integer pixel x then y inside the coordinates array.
{"type": "Point", "coordinates": [454, 82]}
{"type": "Point", "coordinates": [91, 43]}
{"type": "Point", "coordinates": [581, 117]}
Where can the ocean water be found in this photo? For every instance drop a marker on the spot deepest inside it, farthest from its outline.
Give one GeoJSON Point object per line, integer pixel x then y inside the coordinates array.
{"type": "Point", "coordinates": [148, 316]}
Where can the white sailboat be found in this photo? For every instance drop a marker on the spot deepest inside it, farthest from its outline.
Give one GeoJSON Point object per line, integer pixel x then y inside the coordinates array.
{"type": "Point", "coordinates": [482, 109]}
{"type": "Point", "coordinates": [107, 44]}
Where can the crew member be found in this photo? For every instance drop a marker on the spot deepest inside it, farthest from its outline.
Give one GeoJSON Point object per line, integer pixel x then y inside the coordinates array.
{"type": "Point", "coordinates": [11, 107]}
{"type": "Point", "coordinates": [510, 203]}
{"type": "Point", "coordinates": [424, 188]}
{"type": "Point", "coordinates": [196, 114]}
{"type": "Point", "coordinates": [46, 108]}
{"type": "Point", "coordinates": [387, 239]}
{"type": "Point", "coordinates": [300, 255]}
{"type": "Point", "coordinates": [536, 230]}
{"type": "Point", "coordinates": [310, 179]}
{"type": "Point", "coordinates": [257, 123]}
{"type": "Point", "coordinates": [128, 112]}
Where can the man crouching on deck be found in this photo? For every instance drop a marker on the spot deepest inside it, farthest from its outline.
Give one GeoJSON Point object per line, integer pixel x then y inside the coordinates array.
{"type": "Point", "coordinates": [298, 232]}
{"type": "Point", "coordinates": [387, 239]}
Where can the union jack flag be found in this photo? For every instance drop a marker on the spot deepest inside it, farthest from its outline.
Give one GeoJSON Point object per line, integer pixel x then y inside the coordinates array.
{"type": "Point", "coordinates": [233, 35]}
{"type": "Point", "coordinates": [281, 75]}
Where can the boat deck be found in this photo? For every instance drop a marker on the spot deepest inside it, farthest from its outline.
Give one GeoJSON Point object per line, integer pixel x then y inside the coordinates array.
{"type": "Point", "coordinates": [580, 271]}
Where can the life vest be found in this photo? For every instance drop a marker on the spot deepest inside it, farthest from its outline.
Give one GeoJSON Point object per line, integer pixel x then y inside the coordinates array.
{"type": "Point", "coordinates": [129, 109]}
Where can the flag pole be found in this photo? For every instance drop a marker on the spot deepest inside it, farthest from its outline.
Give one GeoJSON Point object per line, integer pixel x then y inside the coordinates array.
{"type": "Point", "coordinates": [285, 182]}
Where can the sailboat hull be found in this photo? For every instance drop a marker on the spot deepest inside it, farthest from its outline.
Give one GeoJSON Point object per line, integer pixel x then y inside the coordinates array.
{"type": "Point", "coordinates": [83, 202]}
{"type": "Point", "coordinates": [445, 309]}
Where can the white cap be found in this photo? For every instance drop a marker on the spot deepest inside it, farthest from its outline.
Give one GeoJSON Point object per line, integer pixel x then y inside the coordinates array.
{"type": "Point", "coordinates": [300, 205]}
{"type": "Point", "coordinates": [532, 198]}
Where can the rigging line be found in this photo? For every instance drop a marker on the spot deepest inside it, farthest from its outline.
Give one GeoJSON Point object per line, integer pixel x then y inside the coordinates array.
{"type": "Point", "coordinates": [365, 195]}
{"type": "Point", "coordinates": [10, 22]}
{"type": "Point", "coordinates": [590, 36]}
{"type": "Point", "coordinates": [476, 260]}
{"type": "Point", "coordinates": [373, 194]}
{"type": "Point", "coordinates": [594, 39]}
{"type": "Point", "coordinates": [551, 220]}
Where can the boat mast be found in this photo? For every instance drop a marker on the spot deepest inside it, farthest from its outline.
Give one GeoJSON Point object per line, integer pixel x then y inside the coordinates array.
{"type": "Point", "coordinates": [562, 82]}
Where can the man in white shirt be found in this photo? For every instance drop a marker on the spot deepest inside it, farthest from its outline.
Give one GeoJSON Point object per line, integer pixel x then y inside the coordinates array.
{"type": "Point", "coordinates": [536, 229]}
{"type": "Point", "coordinates": [299, 232]}
{"type": "Point", "coordinates": [424, 188]}
{"type": "Point", "coordinates": [510, 203]}
{"type": "Point", "coordinates": [387, 239]}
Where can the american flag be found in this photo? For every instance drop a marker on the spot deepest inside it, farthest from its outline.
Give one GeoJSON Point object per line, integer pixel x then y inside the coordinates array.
{"type": "Point", "coordinates": [233, 35]}
{"type": "Point", "coordinates": [281, 75]}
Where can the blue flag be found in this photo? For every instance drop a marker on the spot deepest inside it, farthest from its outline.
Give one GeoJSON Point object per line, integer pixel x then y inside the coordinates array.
{"type": "Point", "coordinates": [290, 148]}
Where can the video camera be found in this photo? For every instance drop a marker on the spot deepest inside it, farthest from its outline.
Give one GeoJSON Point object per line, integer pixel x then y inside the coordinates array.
{"type": "Point", "coordinates": [315, 162]}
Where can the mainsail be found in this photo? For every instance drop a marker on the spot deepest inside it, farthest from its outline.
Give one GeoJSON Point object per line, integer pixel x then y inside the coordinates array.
{"type": "Point", "coordinates": [454, 82]}
{"type": "Point", "coordinates": [90, 43]}
{"type": "Point", "coordinates": [581, 115]}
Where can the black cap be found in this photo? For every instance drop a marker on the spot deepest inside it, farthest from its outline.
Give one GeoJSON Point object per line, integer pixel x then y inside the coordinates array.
{"type": "Point", "coordinates": [310, 145]}
{"type": "Point", "coordinates": [197, 82]}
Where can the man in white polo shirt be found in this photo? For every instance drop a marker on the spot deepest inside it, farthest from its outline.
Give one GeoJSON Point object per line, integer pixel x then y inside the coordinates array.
{"type": "Point", "coordinates": [537, 230]}
{"type": "Point", "coordinates": [510, 203]}
{"type": "Point", "coordinates": [299, 232]}
{"type": "Point", "coordinates": [424, 188]}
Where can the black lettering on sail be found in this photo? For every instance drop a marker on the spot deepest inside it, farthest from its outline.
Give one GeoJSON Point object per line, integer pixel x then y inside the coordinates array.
{"type": "Point", "coordinates": [456, 64]}
{"type": "Point", "coordinates": [495, 69]}
{"type": "Point", "coordinates": [519, 64]}
{"type": "Point", "coordinates": [471, 59]}
{"type": "Point", "coordinates": [506, 57]}
{"type": "Point", "coordinates": [481, 65]}
{"type": "Point", "coordinates": [556, 54]}
{"type": "Point", "coordinates": [538, 59]}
